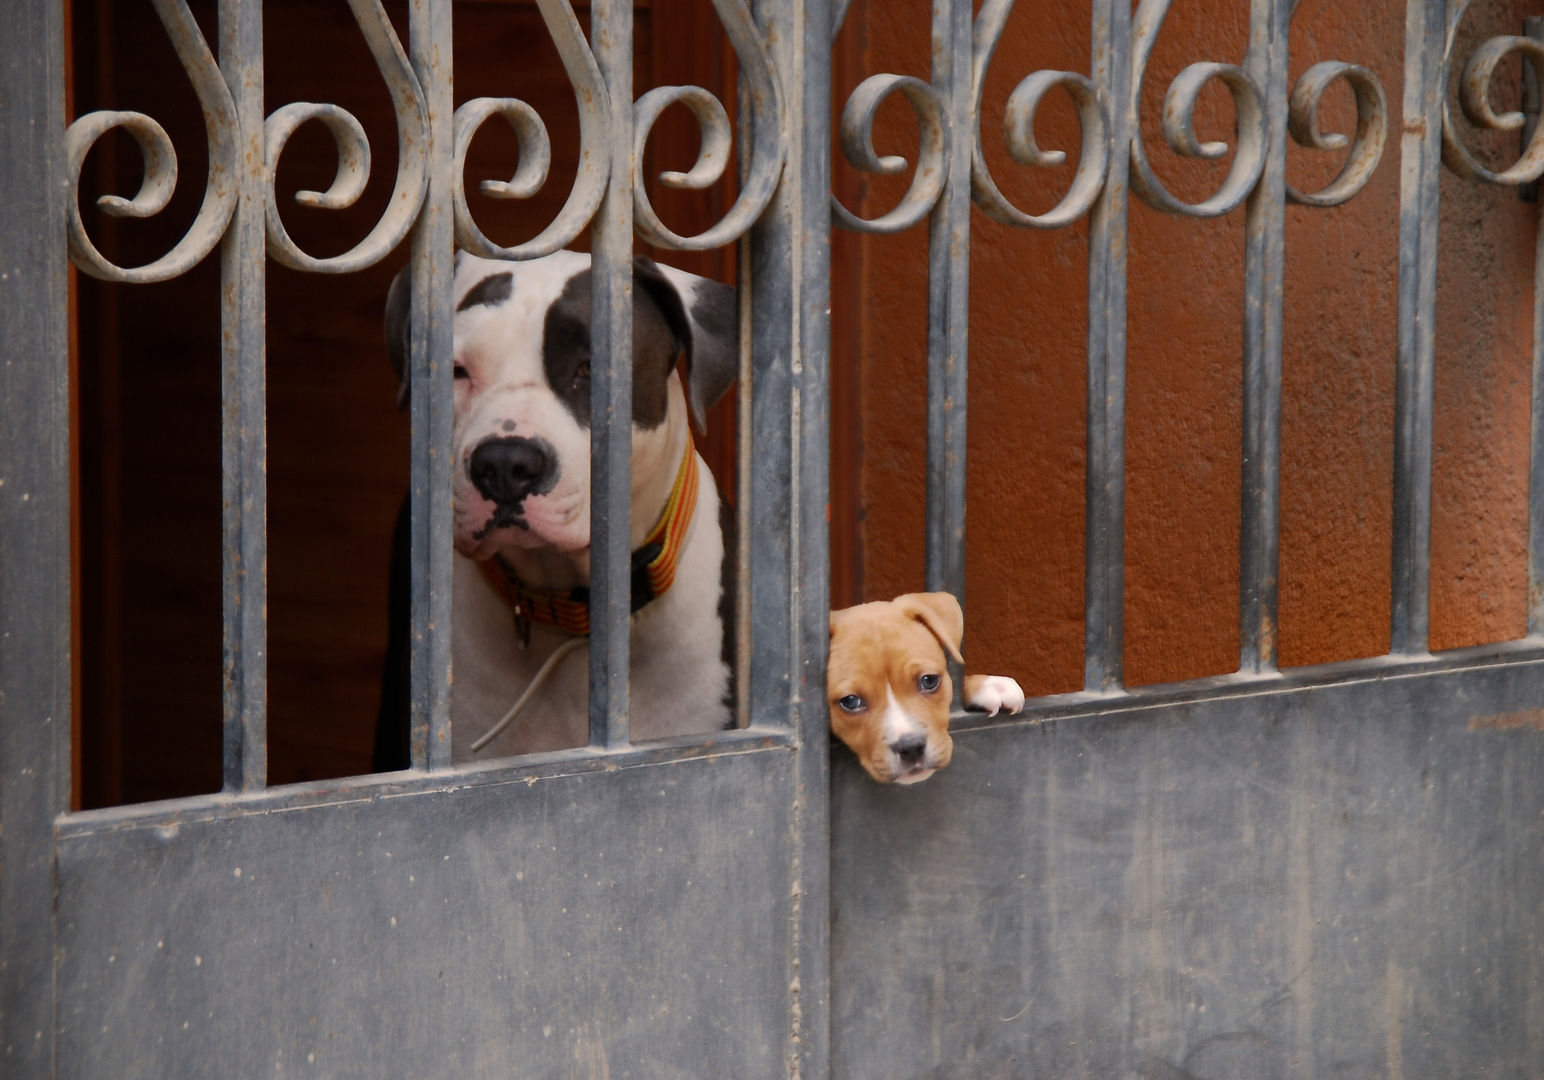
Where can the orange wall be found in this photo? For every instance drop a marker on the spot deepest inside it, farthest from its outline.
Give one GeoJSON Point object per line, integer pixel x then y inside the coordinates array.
{"type": "Point", "coordinates": [1028, 356]}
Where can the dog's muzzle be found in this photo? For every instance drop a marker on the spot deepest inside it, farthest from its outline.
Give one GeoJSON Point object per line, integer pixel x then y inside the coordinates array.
{"type": "Point", "coordinates": [509, 470]}
{"type": "Point", "coordinates": [506, 471]}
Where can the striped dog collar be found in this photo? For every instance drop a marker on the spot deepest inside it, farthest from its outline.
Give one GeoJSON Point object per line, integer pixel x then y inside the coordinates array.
{"type": "Point", "coordinates": [653, 567]}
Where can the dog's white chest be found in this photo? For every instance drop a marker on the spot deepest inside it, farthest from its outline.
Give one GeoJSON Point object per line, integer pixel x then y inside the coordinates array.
{"type": "Point", "coordinates": [679, 681]}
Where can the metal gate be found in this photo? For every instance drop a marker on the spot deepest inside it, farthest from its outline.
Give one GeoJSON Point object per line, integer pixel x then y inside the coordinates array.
{"type": "Point", "coordinates": [1326, 871]}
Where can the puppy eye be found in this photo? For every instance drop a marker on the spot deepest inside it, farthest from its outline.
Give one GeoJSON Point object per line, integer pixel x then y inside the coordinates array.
{"type": "Point", "coordinates": [927, 683]}
{"type": "Point", "coordinates": [582, 372]}
{"type": "Point", "coordinates": [852, 703]}
{"type": "Point", "coordinates": [459, 372]}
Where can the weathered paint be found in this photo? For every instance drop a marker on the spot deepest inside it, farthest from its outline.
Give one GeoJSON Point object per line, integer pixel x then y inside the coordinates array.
{"type": "Point", "coordinates": [623, 923]}
{"type": "Point", "coordinates": [1338, 880]}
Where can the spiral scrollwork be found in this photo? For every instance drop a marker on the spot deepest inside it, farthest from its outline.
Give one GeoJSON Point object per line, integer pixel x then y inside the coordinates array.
{"type": "Point", "coordinates": [1019, 132]}
{"type": "Point", "coordinates": [1179, 123]}
{"type": "Point", "coordinates": [1474, 98]}
{"type": "Point", "coordinates": [353, 173]}
{"type": "Point", "coordinates": [1372, 121]}
{"type": "Point", "coordinates": [160, 178]}
{"type": "Point", "coordinates": [766, 151]}
{"type": "Point", "coordinates": [536, 148]}
{"type": "Point", "coordinates": [932, 153]}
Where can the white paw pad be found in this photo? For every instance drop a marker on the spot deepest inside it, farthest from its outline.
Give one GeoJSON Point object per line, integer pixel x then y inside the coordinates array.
{"type": "Point", "coordinates": [997, 692]}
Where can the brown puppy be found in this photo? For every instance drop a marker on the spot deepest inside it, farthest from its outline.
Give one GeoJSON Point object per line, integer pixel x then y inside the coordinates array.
{"type": "Point", "coordinates": [889, 687]}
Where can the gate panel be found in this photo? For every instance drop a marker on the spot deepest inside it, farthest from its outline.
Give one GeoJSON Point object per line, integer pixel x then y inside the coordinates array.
{"type": "Point", "coordinates": [34, 526]}
{"type": "Point", "coordinates": [1338, 880]}
{"type": "Point", "coordinates": [586, 923]}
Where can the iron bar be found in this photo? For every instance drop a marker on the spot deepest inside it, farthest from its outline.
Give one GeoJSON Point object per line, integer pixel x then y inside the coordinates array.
{"type": "Point", "coordinates": [948, 329]}
{"type": "Point", "coordinates": [1420, 167]}
{"type": "Point", "coordinates": [1534, 28]}
{"type": "Point", "coordinates": [767, 296]}
{"type": "Point", "coordinates": [431, 406]}
{"type": "Point", "coordinates": [243, 394]}
{"type": "Point", "coordinates": [1105, 483]}
{"type": "Point", "coordinates": [949, 310]}
{"type": "Point", "coordinates": [1536, 442]}
{"type": "Point", "coordinates": [1264, 243]}
{"type": "Point", "coordinates": [611, 390]}
{"type": "Point", "coordinates": [799, 235]}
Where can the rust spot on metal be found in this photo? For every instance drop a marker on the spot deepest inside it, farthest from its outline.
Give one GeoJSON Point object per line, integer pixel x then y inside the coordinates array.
{"type": "Point", "coordinates": [1528, 719]}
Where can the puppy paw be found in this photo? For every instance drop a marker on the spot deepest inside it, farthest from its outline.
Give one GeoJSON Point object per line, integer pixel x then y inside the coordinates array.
{"type": "Point", "coordinates": [993, 693]}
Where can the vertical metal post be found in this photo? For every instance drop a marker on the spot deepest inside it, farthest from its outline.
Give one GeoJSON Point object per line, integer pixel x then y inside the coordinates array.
{"type": "Point", "coordinates": [243, 394]}
{"type": "Point", "coordinates": [1264, 241]}
{"type": "Point", "coordinates": [611, 390]}
{"type": "Point", "coordinates": [34, 529]}
{"type": "Point", "coordinates": [1536, 444]}
{"type": "Point", "coordinates": [1105, 493]}
{"type": "Point", "coordinates": [772, 499]}
{"type": "Point", "coordinates": [798, 235]}
{"type": "Point", "coordinates": [429, 46]}
{"type": "Point", "coordinates": [1534, 27]}
{"type": "Point", "coordinates": [1420, 173]}
{"type": "Point", "coordinates": [948, 330]}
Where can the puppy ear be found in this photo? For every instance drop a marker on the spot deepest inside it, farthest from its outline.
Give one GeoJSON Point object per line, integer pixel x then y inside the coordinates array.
{"type": "Point", "coordinates": [399, 303]}
{"type": "Point", "coordinates": [940, 613]}
{"type": "Point", "coordinates": [705, 316]}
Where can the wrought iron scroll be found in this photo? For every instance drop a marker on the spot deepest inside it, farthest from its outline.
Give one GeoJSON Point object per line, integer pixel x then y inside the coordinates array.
{"type": "Point", "coordinates": [1019, 132]}
{"type": "Point", "coordinates": [1372, 122]}
{"type": "Point", "coordinates": [1179, 122]}
{"type": "Point", "coordinates": [160, 178]}
{"type": "Point", "coordinates": [536, 149]}
{"type": "Point", "coordinates": [407, 98]}
{"type": "Point", "coordinates": [767, 139]}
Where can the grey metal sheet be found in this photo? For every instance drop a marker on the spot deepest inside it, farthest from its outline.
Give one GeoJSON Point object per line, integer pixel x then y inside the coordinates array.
{"type": "Point", "coordinates": [1339, 879]}
{"type": "Point", "coordinates": [630, 923]}
{"type": "Point", "coordinates": [34, 526]}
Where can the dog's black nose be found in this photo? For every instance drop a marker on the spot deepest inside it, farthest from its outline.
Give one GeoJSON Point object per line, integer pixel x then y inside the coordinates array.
{"type": "Point", "coordinates": [910, 749]}
{"type": "Point", "coordinates": [506, 470]}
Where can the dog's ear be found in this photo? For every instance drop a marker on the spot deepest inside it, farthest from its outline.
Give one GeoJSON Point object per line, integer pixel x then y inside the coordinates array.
{"type": "Point", "coordinates": [940, 613]}
{"type": "Point", "coordinates": [705, 317]}
{"type": "Point", "coordinates": [399, 304]}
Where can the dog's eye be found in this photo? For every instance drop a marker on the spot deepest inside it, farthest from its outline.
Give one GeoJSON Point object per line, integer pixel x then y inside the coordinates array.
{"type": "Point", "coordinates": [852, 703]}
{"type": "Point", "coordinates": [459, 372]}
{"type": "Point", "coordinates": [582, 372]}
{"type": "Point", "coordinates": [927, 683]}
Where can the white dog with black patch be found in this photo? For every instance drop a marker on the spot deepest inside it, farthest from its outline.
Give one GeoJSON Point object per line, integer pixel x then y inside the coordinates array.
{"type": "Point", "coordinates": [522, 504]}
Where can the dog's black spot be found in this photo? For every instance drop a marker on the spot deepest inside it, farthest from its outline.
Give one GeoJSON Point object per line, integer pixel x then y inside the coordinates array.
{"type": "Point", "coordinates": [716, 313]}
{"type": "Point", "coordinates": [509, 425]}
{"type": "Point", "coordinates": [656, 347]}
{"type": "Point", "coordinates": [492, 290]}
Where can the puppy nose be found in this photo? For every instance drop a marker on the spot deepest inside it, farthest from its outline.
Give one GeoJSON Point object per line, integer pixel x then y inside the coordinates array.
{"type": "Point", "coordinates": [506, 470]}
{"type": "Point", "coordinates": [909, 749]}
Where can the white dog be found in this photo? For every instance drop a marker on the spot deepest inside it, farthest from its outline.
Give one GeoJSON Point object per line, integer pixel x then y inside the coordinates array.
{"type": "Point", "coordinates": [522, 504]}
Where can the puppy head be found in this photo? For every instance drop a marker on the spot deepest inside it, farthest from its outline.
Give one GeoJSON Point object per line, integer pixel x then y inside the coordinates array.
{"type": "Point", "coordinates": [888, 684]}
{"type": "Point", "coordinates": [522, 387]}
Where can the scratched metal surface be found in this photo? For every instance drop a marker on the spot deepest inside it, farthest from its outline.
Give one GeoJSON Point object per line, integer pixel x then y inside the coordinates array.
{"type": "Point", "coordinates": [631, 924]}
{"type": "Point", "coordinates": [1341, 880]}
